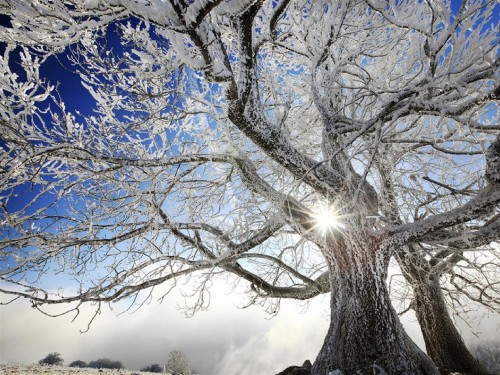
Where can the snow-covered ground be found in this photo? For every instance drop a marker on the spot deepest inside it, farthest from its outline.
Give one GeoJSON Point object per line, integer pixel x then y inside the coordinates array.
{"type": "Point", "coordinates": [61, 370]}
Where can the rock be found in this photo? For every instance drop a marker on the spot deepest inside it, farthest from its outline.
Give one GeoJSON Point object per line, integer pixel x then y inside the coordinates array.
{"type": "Point", "coordinates": [305, 369]}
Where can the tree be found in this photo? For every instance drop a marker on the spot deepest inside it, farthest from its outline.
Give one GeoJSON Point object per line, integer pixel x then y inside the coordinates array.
{"type": "Point", "coordinates": [424, 267]}
{"type": "Point", "coordinates": [105, 363]}
{"type": "Point", "coordinates": [296, 145]}
{"type": "Point", "coordinates": [155, 367]}
{"type": "Point", "coordinates": [443, 341]}
{"type": "Point", "coordinates": [52, 359]}
{"type": "Point", "coordinates": [78, 363]}
{"type": "Point", "coordinates": [178, 363]}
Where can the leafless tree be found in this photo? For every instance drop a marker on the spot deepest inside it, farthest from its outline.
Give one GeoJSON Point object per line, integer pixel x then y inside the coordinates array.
{"type": "Point", "coordinates": [178, 363]}
{"type": "Point", "coordinates": [298, 145]}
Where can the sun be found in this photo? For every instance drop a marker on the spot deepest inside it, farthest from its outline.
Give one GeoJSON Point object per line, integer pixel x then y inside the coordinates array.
{"type": "Point", "coordinates": [327, 220]}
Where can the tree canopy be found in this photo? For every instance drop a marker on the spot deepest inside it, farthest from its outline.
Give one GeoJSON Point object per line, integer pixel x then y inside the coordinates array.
{"type": "Point", "coordinates": [52, 359]}
{"type": "Point", "coordinates": [178, 363]}
{"type": "Point", "coordinates": [298, 145]}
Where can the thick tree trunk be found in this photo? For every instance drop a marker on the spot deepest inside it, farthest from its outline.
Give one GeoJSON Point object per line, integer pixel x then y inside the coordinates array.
{"type": "Point", "coordinates": [365, 333]}
{"type": "Point", "coordinates": [443, 342]}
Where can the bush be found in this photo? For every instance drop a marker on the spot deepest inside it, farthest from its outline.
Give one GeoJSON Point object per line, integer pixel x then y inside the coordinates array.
{"type": "Point", "coordinates": [80, 364]}
{"type": "Point", "coordinates": [155, 367]}
{"type": "Point", "coordinates": [52, 359]}
{"type": "Point", "coordinates": [105, 363]}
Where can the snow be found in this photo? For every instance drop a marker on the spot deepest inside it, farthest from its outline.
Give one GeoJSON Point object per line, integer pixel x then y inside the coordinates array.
{"type": "Point", "coordinates": [91, 4]}
{"type": "Point", "coordinates": [62, 370]}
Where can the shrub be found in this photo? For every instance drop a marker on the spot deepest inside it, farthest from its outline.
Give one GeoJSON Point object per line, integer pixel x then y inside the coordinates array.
{"type": "Point", "coordinates": [105, 363]}
{"type": "Point", "coordinates": [52, 359]}
{"type": "Point", "coordinates": [80, 364]}
{"type": "Point", "coordinates": [155, 367]}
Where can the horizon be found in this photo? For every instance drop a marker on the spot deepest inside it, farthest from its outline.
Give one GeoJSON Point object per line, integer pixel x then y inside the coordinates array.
{"type": "Point", "coordinates": [215, 340]}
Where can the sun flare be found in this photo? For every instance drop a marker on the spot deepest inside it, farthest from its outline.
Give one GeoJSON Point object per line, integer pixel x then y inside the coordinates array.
{"type": "Point", "coordinates": [327, 220]}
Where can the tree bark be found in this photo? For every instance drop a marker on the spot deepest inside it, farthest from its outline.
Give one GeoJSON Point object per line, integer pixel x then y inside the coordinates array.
{"type": "Point", "coordinates": [443, 342]}
{"type": "Point", "coordinates": [365, 333]}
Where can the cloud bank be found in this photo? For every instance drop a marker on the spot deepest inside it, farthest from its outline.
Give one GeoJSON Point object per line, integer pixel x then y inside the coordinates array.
{"type": "Point", "coordinates": [222, 340]}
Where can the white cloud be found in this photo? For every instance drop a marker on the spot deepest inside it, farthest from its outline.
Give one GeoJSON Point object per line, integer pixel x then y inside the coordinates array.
{"type": "Point", "coordinates": [222, 340]}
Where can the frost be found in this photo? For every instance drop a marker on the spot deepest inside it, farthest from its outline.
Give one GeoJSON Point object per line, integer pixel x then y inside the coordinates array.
{"type": "Point", "coordinates": [91, 4]}
{"type": "Point", "coordinates": [194, 9]}
{"type": "Point", "coordinates": [212, 139]}
{"type": "Point", "coordinates": [232, 7]}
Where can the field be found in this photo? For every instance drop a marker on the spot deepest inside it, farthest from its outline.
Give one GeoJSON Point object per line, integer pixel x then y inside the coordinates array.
{"type": "Point", "coordinates": [61, 370]}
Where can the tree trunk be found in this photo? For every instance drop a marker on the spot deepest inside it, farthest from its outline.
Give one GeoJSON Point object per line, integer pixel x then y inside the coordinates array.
{"type": "Point", "coordinates": [443, 342]}
{"type": "Point", "coordinates": [365, 334]}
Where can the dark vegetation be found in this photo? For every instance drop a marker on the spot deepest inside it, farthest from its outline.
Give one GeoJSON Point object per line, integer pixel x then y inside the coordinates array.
{"type": "Point", "coordinates": [177, 362]}
{"type": "Point", "coordinates": [105, 363]}
{"type": "Point", "coordinates": [78, 363]}
{"type": "Point", "coordinates": [155, 367]}
{"type": "Point", "coordinates": [52, 359]}
{"type": "Point", "coordinates": [56, 359]}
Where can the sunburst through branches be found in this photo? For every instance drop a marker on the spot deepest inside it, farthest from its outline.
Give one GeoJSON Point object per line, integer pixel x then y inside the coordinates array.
{"type": "Point", "coordinates": [327, 220]}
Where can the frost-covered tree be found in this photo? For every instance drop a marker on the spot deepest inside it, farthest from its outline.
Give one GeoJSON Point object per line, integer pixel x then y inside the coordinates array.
{"type": "Point", "coordinates": [297, 145]}
{"type": "Point", "coordinates": [178, 363]}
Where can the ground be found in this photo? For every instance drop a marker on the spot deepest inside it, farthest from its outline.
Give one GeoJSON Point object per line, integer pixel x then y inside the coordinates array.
{"type": "Point", "coordinates": [61, 370]}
